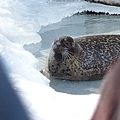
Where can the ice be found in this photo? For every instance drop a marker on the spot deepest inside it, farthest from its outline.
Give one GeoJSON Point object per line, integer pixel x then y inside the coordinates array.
{"type": "Point", "coordinates": [20, 22]}
{"type": "Point", "coordinates": [110, 2]}
{"type": "Point", "coordinates": [15, 24]}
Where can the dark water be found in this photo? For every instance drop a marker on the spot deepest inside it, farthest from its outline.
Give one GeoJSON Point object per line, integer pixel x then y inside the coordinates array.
{"type": "Point", "coordinates": [79, 25]}
{"type": "Point", "coordinates": [75, 26]}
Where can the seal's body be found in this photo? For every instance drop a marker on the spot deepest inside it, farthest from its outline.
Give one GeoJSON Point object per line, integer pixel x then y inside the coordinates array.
{"type": "Point", "coordinates": [84, 58]}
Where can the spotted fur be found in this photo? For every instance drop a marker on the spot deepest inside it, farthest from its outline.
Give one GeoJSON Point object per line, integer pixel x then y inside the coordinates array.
{"type": "Point", "coordinates": [84, 58]}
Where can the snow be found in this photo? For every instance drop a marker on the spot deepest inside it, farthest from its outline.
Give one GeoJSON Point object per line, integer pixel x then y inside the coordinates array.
{"type": "Point", "coordinates": [110, 2]}
{"type": "Point", "coordinates": [20, 20]}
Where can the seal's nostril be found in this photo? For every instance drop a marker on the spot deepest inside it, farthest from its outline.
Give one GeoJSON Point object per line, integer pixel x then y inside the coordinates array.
{"type": "Point", "coordinates": [54, 47]}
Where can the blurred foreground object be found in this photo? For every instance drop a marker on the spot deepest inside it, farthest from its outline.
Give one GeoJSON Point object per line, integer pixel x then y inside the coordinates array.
{"type": "Point", "coordinates": [108, 107]}
{"type": "Point", "coordinates": [10, 105]}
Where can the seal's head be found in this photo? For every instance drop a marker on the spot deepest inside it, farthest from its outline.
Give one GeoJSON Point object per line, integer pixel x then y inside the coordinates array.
{"type": "Point", "coordinates": [64, 48]}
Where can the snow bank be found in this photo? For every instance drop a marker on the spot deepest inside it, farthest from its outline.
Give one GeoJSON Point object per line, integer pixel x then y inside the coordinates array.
{"type": "Point", "coordinates": [15, 23]}
{"type": "Point", "coordinates": [20, 62]}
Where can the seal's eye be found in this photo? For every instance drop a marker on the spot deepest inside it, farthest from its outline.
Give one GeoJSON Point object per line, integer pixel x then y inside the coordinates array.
{"type": "Point", "coordinates": [66, 44]}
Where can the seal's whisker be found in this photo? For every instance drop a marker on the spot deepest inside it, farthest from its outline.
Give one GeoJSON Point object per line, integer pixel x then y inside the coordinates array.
{"type": "Point", "coordinates": [71, 53]}
{"type": "Point", "coordinates": [69, 56]}
{"type": "Point", "coordinates": [66, 55]}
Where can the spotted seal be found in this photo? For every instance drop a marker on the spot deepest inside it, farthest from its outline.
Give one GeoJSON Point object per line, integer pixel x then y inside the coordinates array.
{"type": "Point", "coordinates": [84, 58]}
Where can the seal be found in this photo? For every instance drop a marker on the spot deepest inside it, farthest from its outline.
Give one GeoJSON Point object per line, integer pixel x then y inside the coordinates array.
{"type": "Point", "coordinates": [84, 58]}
